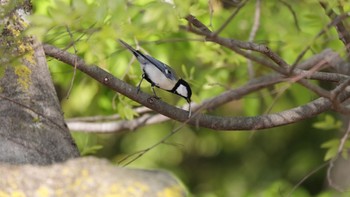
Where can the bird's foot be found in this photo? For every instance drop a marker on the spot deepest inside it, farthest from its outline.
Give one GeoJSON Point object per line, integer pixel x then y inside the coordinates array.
{"type": "Point", "coordinates": [151, 99]}
{"type": "Point", "coordinates": [156, 97]}
{"type": "Point", "coordinates": [138, 89]}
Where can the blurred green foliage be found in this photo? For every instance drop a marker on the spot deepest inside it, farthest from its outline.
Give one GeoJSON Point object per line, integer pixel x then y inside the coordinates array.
{"type": "Point", "coordinates": [210, 163]}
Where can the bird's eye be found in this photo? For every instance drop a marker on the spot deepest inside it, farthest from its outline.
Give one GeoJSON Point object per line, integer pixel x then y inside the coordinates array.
{"type": "Point", "coordinates": [167, 71]}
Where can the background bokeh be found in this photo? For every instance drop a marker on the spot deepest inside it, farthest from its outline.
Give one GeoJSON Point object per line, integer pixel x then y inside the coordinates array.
{"type": "Point", "coordinates": [210, 163]}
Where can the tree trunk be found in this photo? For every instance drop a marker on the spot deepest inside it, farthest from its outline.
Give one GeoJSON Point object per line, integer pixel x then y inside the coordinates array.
{"type": "Point", "coordinates": [32, 128]}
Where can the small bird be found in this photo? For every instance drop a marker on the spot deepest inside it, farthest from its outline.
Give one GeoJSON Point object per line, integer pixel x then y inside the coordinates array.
{"type": "Point", "coordinates": [161, 76]}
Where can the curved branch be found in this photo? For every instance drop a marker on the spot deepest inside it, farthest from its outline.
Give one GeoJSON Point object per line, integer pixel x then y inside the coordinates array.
{"type": "Point", "coordinates": [203, 120]}
{"type": "Point", "coordinates": [85, 124]}
{"type": "Point", "coordinates": [112, 124]}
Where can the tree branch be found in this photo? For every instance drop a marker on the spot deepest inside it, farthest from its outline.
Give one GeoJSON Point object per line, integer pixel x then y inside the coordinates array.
{"type": "Point", "coordinates": [274, 62]}
{"type": "Point", "coordinates": [252, 35]}
{"type": "Point", "coordinates": [343, 33]}
{"type": "Point", "coordinates": [213, 122]}
{"type": "Point", "coordinates": [116, 126]}
{"type": "Point", "coordinates": [112, 124]}
{"type": "Point", "coordinates": [235, 45]}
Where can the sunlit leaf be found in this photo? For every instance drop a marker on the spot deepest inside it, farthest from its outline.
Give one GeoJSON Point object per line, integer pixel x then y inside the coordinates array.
{"type": "Point", "coordinates": [328, 123]}
{"type": "Point", "coordinates": [90, 150]}
{"type": "Point", "coordinates": [332, 148]}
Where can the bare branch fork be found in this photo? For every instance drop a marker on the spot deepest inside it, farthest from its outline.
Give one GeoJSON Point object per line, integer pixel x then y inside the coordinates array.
{"type": "Point", "coordinates": [343, 32]}
{"type": "Point", "coordinates": [274, 61]}
{"type": "Point", "coordinates": [202, 120]}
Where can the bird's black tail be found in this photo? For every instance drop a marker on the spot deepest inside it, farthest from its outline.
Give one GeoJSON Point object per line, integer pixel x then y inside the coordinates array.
{"type": "Point", "coordinates": [134, 51]}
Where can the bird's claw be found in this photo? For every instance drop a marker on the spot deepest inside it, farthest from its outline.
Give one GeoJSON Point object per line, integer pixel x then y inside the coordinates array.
{"type": "Point", "coordinates": [151, 99]}
{"type": "Point", "coordinates": [156, 97]}
{"type": "Point", "coordinates": [138, 90]}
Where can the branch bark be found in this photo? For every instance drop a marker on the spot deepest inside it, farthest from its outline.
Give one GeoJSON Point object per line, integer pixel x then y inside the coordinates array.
{"type": "Point", "coordinates": [343, 32]}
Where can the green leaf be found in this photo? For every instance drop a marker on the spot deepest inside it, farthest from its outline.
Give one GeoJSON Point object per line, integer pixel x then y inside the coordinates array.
{"type": "Point", "coordinates": [184, 70]}
{"type": "Point", "coordinates": [86, 143]}
{"type": "Point", "coordinates": [332, 146]}
{"type": "Point", "coordinates": [89, 150]}
{"type": "Point", "coordinates": [161, 10]}
{"type": "Point", "coordinates": [125, 109]}
{"type": "Point", "coordinates": [328, 123]}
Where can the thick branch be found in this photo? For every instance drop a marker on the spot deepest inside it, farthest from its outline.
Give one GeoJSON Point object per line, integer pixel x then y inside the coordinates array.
{"type": "Point", "coordinates": [112, 124]}
{"type": "Point", "coordinates": [202, 120]}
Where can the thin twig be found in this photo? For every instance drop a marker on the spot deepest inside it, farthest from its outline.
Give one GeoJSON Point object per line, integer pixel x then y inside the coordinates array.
{"type": "Point", "coordinates": [229, 19]}
{"type": "Point", "coordinates": [75, 63]}
{"type": "Point", "coordinates": [252, 35]}
{"type": "Point", "coordinates": [211, 12]}
{"type": "Point", "coordinates": [331, 162]}
{"type": "Point", "coordinates": [290, 8]}
{"type": "Point", "coordinates": [334, 22]}
{"type": "Point", "coordinates": [343, 32]}
{"type": "Point", "coordinates": [163, 140]}
{"type": "Point", "coordinates": [306, 177]}
{"type": "Point", "coordinates": [337, 105]}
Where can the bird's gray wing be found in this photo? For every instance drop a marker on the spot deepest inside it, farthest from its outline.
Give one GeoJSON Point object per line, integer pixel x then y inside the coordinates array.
{"type": "Point", "coordinates": [167, 70]}
{"type": "Point", "coordinates": [143, 59]}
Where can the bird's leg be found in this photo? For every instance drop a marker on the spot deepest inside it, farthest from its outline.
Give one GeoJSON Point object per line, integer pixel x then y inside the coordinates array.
{"type": "Point", "coordinates": [154, 92]}
{"type": "Point", "coordinates": [138, 86]}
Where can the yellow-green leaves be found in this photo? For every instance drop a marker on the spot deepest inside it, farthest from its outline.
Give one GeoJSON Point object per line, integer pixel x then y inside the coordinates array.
{"type": "Point", "coordinates": [162, 16]}
{"type": "Point", "coordinates": [332, 147]}
{"type": "Point", "coordinates": [328, 123]}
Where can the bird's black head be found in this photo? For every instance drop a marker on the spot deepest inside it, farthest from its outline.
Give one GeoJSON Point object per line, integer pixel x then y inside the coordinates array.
{"type": "Point", "coordinates": [182, 88]}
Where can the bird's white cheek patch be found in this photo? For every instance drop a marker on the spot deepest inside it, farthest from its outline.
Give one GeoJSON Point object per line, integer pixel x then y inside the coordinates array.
{"type": "Point", "coordinates": [182, 90]}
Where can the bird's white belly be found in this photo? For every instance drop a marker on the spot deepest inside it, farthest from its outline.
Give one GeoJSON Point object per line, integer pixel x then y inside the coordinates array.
{"type": "Point", "coordinates": [155, 75]}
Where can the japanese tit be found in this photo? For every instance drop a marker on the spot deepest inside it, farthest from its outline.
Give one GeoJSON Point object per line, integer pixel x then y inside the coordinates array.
{"type": "Point", "coordinates": [161, 76]}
